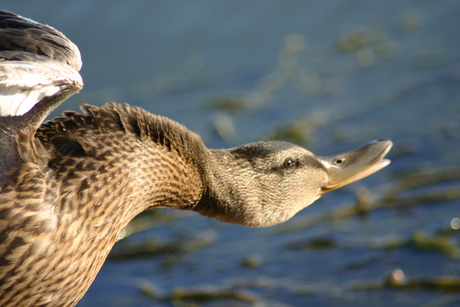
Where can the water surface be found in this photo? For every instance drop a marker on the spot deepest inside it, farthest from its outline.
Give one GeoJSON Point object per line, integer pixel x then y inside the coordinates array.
{"type": "Point", "coordinates": [343, 73]}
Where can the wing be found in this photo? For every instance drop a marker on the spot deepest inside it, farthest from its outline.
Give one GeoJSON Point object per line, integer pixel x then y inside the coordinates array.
{"type": "Point", "coordinates": [38, 71]}
{"type": "Point", "coordinates": [36, 62]}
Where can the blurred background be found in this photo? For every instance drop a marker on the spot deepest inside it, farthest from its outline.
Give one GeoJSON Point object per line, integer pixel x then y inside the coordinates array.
{"type": "Point", "coordinates": [327, 75]}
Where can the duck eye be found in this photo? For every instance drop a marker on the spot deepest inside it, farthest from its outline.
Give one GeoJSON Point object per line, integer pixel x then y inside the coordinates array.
{"type": "Point", "coordinates": [288, 163]}
{"type": "Point", "coordinates": [338, 161]}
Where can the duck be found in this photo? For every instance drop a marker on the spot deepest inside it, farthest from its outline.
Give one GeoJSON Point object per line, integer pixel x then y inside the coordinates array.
{"type": "Point", "coordinates": [70, 185]}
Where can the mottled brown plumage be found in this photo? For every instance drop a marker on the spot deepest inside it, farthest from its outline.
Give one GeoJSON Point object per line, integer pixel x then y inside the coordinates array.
{"type": "Point", "coordinates": [84, 177]}
{"type": "Point", "coordinates": [75, 182]}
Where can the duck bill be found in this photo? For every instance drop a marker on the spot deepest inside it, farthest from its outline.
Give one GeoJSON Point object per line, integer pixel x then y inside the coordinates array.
{"type": "Point", "coordinates": [354, 165]}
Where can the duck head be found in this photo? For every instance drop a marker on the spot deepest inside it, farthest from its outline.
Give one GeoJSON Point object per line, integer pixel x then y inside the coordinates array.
{"type": "Point", "coordinates": [265, 183]}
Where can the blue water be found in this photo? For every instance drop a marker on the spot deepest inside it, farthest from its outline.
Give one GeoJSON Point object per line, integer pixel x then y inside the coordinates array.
{"type": "Point", "coordinates": [399, 79]}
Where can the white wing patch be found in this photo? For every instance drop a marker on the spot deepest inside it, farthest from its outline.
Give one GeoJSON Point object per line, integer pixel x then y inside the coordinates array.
{"type": "Point", "coordinates": [17, 101]}
{"type": "Point", "coordinates": [24, 84]}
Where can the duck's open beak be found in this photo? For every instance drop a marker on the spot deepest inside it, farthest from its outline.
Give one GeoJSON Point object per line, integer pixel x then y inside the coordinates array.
{"type": "Point", "coordinates": [354, 165]}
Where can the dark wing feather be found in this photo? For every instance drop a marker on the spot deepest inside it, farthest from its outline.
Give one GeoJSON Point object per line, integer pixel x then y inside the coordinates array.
{"type": "Point", "coordinates": [38, 71]}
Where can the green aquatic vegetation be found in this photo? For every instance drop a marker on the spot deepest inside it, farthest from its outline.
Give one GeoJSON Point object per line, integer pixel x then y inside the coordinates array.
{"type": "Point", "coordinates": [425, 177]}
{"type": "Point", "coordinates": [365, 43]}
{"type": "Point", "coordinates": [426, 197]}
{"type": "Point", "coordinates": [392, 243]}
{"type": "Point", "coordinates": [397, 279]}
{"type": "Point", "coordinates": [362, 262]}
{"type": "Point", "coordinates": [195, 296]}
{"type": "Point", "coordinates": [224, 126]}
{"type": "Point", "coordinates": [441, 243]}
{"type": "Point", "coordinates": [411, 21]}
{"type": "Point", "coordinates": [207, 293]}
{"type": "Point", "coordinates": [354, 40]}
{"type": "Point", "coordinates": [237, 289]}
{"type": "Point", "coordinates": [251, 262]}
{"type": "Point", "coordinates": [318, 243]}
{"type": "Point", "coordinates": [153, 247]}
{"type": "Point", "coordinates": [148, 289]}
{"type": "Point", "coordinates": [154, 218]}
{"type": "Point", "coordinates": [423, 242]}
{"type": "Point", "coordinates": [232, 103]}
{"type": "Point", "coordinates": [298, 131]}
{"type": "Point", "coordinates": [393, 196]}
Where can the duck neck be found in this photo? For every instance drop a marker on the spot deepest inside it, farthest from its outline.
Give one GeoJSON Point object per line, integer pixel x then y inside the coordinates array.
{"type": "Point", "coordinates": [123, 160]}
{"type": "Point", "coordinates": [150, 176]}
{"type": "Point", "coordinates": [175, 181]}
{"type": "Point", "coordinates": [230, 192]}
